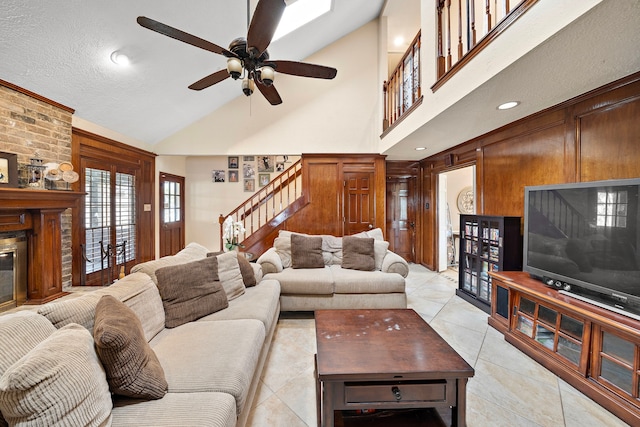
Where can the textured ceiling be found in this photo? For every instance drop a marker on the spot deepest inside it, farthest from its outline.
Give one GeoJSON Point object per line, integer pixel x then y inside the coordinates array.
{"type": "Point", "coordinates": [60, 49]}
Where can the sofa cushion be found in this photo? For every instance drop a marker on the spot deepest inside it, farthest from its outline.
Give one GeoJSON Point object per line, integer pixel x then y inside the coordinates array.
{"type": "Point", "coordinates": [258, 302]}
{"type": "Point", "coordinates": [379, 252]}
{"type": "Point", "coordinates": [246, 270]}
{"type": "Point", "coordinates": [131, 365]}
{"type": "Point", "coordinates": [230, 274]}
{"type": "Point", "coordinates": [304, 281]}
{"type": "Point", "coordinates": [365, 282]}
{"type": "Point", "coordinates": [59, 382]}
{"type": "Point", "coordinates": [177, 409]}
{"type": "Point", "coordinates": [192, 252]}
{"type": "Point", "coordinates": [190, 291]}
{"type": "Point", "coordinates": [358, 253]}
{"type": "Point", "coordinates": [223, 356]}
{"type": "Point", "coordinates": [136, 290]}
{"type": "Point", "coordinates": [21, 332]}
{"type": "Point", "coordinates": [306, 251]}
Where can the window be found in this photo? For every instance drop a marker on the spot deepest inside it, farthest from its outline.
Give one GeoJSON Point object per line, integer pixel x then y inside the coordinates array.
{"type": "Point", "coordinates": [110, 218]}
{"type": "Point", "coordinates": [612, 207]}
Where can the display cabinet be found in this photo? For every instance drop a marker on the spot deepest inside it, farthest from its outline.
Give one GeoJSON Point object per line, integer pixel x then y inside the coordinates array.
{"type": "Point", "coordinates": [595, 350]}
{"type": "Point", "coordinates": [487, 244]}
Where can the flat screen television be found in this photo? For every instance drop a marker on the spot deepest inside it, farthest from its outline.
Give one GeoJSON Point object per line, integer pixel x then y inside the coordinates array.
{"type": "Point", "coordinates": [584, 238]}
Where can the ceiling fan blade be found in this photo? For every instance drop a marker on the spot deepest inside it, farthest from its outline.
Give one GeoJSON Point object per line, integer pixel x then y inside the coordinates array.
{"type": "Point", "coordinates": [304, 69]}
{"type": "Point", "coordinates": [263, 25]}
{"type": "Point", "coordinates": [270, 93]}
{"type": "Point", "coordinates": [168, 31]}
{"type": "Point", "coordinates": [210, 80]}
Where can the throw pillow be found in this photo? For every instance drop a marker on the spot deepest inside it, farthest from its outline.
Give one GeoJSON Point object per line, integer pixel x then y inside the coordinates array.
{"type": "Point", "coordinates": [358, 253]}
{"type": "Point", "coordinates": [379, 252]}
{"type": "Point", "coordinates": [230, 275]}
{"type": "Point", "coordinates": [131, 365]}
{"type": "Point", "coordinates": [59, 382]}
{"type": "Point", "coordinates": [190, 291]}
{"type": "Point", "coordinates": [306, 251]}
{"type": "Point", "coordinates": [248, 275]}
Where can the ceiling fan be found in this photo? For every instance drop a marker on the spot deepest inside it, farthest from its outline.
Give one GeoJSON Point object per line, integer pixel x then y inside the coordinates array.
{"type": "Point", "coordinates": [248, 57]}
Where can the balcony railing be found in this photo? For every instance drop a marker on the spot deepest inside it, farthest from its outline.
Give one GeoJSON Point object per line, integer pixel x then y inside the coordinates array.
{"type": "Point", "coordinates": [403, 89]}
{"type": "Point", "coordinates": [466, 27]}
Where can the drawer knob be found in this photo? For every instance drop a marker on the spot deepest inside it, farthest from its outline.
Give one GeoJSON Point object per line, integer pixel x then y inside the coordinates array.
{"type": "Point", "coordinates": [396, 393]}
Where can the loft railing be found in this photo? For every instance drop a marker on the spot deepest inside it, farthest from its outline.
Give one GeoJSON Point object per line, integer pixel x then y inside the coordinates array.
{"type": "Point", "coordinates": [267, 203]}
{"type": "Point", "coordinates": [466, 27]}
{"type": "Point", "coordinates": [403, 90]}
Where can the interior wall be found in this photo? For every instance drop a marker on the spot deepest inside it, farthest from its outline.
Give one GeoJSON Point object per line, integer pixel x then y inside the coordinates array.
{"type": "Point", "coordinates": [207, 200]}
{"type": "Point", "coordinates": [316, 116]}
{"type": "Point", "coordinates": [592, 137]}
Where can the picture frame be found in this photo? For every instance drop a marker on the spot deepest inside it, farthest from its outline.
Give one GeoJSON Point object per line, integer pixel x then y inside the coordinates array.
{"type": "Point", "coordinates": [248, 170]}
{"type": "Point", "coordinates": [233, 176]}
{"type": "Point", "coordinates": [218, 175]}
{"type": "Point", "coordinates": [266, 163]}
{"type": "Point", "coordinates": [280, 166]}
{"type": "Point", "coordinates": [234, 161]}
{"type": "Point", "coordinates": [282, 159]}
{"type": "Point", "coordinates": [249, 158]}
{"type": "Point", "coordinates": [263, 179]}
{"type": "Point", "coordinates": [249, 185]}
{"type": "Point", "coordinates": [8, 170]}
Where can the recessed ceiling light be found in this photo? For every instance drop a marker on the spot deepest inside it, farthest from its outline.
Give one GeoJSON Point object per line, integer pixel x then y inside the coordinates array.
{"type": "Point", "coordinates": [420, 148]}
{"type": "Point", "coordinates": [508, 105]}
{"type": "Point", "coordinates": [398, 41]}
{"type": "Point", "coordinates": [120, 58]}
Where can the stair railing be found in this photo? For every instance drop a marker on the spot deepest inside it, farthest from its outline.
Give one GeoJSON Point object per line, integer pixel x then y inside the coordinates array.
{"type": "Point", "coordinates": [266, 203]}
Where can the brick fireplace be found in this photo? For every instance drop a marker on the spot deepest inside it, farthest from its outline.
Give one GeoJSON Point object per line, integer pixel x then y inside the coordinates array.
{"type": "Point", "coordinates": [31, 124]}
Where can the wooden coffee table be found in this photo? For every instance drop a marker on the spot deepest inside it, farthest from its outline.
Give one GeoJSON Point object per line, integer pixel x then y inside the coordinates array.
{"type": "Point", "coordinates": [386, 359]}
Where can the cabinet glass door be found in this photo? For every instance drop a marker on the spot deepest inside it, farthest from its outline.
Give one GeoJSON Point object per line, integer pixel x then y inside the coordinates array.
{"type": "Point", "coordinates": [618, 363]}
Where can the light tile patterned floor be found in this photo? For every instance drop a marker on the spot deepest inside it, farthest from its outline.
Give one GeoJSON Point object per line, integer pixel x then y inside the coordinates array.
{"type": "Point", "coordinates": [509, 389]}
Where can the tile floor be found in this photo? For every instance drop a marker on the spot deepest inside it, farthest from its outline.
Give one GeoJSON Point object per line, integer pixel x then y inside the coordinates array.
{"type": "Point", "coordinates": [509, 389]}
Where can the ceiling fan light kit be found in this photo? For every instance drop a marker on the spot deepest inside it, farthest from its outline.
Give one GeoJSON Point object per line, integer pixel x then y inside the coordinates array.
{"type": "Point", "coordinates": [248, 58]}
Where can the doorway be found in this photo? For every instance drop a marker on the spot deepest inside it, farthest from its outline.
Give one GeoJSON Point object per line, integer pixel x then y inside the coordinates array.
{"type": "Point", "coordinates": [172, 214]}
{"type": "Point", "coordinates": [456, 190]}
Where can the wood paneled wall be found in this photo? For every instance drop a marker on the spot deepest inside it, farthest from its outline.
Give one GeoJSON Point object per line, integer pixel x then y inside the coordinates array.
{"type": "Point", "coordinates": [592, 137]}
{"type": "Point", "coordinates": [323, 178]}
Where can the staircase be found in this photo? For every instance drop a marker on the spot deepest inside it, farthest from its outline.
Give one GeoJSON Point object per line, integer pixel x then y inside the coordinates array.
{"type": "Point", "coordinates": [563, 220]}
{"type": "Point", "coordinates": [263, 213]}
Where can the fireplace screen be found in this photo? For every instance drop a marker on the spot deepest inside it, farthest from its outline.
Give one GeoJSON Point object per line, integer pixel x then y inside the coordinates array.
{"type": "Point", "coordinates": [13, 270]}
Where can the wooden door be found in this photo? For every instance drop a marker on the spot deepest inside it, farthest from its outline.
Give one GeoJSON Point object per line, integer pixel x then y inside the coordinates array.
{"type": "Point", "coordinates": [171, 214]}
{"type": "Point", "coordinates": [401, 216]}
{"type": "Point", "coordinates": [359, 198]}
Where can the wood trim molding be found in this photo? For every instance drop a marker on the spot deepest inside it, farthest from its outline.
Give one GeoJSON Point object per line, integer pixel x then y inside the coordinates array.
{"type": "Point", "coordinates": [36, 96]}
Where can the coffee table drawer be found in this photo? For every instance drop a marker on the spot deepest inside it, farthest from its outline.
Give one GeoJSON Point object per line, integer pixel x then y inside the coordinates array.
{"type": "Point", "coordinates": [394, 391]}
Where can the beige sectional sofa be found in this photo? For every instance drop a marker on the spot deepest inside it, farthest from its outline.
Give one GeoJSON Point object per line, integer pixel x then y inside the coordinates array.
{"type": "Point", "coordinates": [49, 368]}
{"type": "Point", "coordinates": [331, 283]}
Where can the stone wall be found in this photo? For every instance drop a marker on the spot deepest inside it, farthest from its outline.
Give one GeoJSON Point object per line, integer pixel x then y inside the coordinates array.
{"type": "Point", "coordinates": [30, 125]}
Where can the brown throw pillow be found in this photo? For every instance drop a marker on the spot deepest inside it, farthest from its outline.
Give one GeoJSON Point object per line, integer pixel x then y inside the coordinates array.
{"type": "Point", "coordinates": [306, 251]}
{"type": "Point", "coordinates": [358, 253]}
{"type": "Point", "coordinates": [248, 275]}
{"type": "Point", "coordinates": [190, 291]}
{"type": "Point", "coordinates": [131, 365]}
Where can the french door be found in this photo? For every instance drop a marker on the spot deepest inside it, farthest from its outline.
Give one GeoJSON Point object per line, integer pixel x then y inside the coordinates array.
{"type": "Point", "coordinates": [109, 223]}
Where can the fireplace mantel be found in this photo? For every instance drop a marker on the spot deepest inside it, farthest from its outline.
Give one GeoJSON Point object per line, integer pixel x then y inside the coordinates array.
{"type": "Point", "coordinates": [39, 213]}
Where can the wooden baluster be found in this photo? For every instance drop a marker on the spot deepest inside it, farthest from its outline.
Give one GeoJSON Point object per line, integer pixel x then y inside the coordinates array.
{"type": "Point", "coordinates": [487, 15]}
{"type": "Point", "coordinates": [385, 117]}
{"type": "Point", "coordinates": [440, 59]}
{"type": "Point", "coordinates": [459, 29]}
{"type": "Point", "coordinates": [472, 23]}
{"type": "Point", "coordinates": [506, 7]}
{"type": "Point", "coordinates": [448, 35]}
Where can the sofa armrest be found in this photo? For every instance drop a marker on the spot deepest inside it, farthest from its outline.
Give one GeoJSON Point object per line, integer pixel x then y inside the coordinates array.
{"type": "Point", "coordinates": [270, 262]}
{"type": "Point", "coordinates": [394, 263]}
